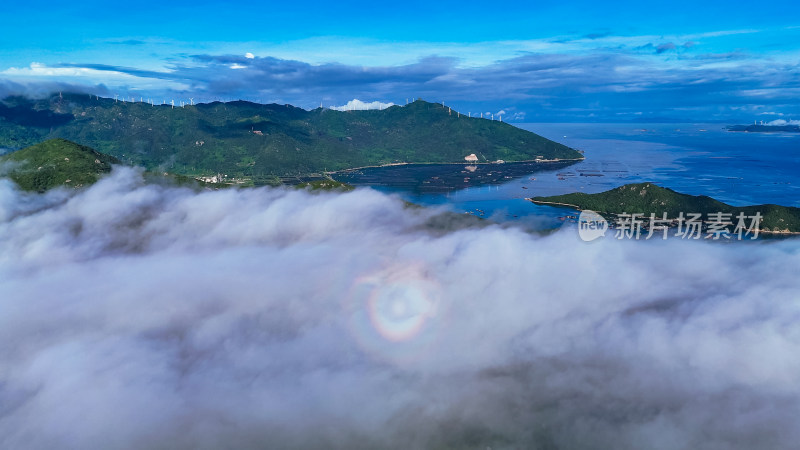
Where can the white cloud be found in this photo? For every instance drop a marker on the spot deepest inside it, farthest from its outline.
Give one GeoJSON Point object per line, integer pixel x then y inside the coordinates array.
{"type": "Point", "coordinates": [135, 316]}
{"type": "Point", "coordinates": [371, 52]}
{"type": "Point", "coordinates": [38, 72]}
{"type": "Point", "coordinates": [782, 122]}
{"type": "Point", "coordinates": [507, 115]}
{"type": "Point", "coordinates": [358, 105]}
{"type": "Point", "coordinates": [249, 55]}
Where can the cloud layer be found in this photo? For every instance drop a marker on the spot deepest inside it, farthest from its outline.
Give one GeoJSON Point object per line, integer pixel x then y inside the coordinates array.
{"type": "Point", "coordinates": [781, 122]}
{"type": "Point", "coordinates": [614, 79]}
{"type": "Point", "coordinates": [137, 315]}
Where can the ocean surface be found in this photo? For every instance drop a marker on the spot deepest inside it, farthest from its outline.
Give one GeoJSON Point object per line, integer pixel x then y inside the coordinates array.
{"type": "Point", "coordinates": [692, 158]}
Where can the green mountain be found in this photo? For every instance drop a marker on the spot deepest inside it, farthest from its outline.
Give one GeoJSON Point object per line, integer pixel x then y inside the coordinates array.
{"type": "Point", "coordinates": [264, 142]}
{"type": "Point", "coordinates": [55, 162]}
{"type": "Point", "coordinates": [647, 198]}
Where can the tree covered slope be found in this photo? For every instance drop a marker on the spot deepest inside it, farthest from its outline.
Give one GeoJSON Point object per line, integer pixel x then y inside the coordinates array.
{"type": "Point", "coordinates": [55, 162]}
{"type": "Point", "coordinates": [262, 142]}
{"type": "Point", "coordinates": [647, 198]}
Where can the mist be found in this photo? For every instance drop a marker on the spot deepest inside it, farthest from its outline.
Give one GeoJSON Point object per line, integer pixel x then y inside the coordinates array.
{"type": "Point", "coordinates": [135, 315]}
{"type": "Point", "coordinates": [42, 89]}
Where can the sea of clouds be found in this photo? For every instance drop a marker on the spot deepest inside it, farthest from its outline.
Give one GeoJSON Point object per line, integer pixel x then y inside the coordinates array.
{"type": "Point", "coordinates": [150, 316]}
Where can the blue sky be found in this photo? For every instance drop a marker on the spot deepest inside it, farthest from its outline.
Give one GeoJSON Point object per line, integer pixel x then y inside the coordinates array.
{"type": "Point", "coordinates": [534, 60]}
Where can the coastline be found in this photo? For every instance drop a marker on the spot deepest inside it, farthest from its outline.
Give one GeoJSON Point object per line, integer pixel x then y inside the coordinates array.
{"type": "Point", "coordinates": [539, 202]}
{"type": "Point", "coordinates": [465, 163]}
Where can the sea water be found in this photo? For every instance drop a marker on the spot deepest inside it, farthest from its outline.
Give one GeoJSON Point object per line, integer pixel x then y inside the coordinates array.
{"type": "Point", "coordinates": [693, 158]}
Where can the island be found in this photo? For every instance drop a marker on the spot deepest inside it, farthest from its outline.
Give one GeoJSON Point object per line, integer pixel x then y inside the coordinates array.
{"type": "Point", "coordinates": [756, 128]}
{"type": "Point", "coordinates": [649, 198]}
{"type": "Point", "coordinates": [254, 144]}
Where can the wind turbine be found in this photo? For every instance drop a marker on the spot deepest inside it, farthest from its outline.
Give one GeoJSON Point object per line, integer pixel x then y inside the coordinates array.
{"type": "Point", "coordinates": [115, 98]}
{"type": "Point", "coordinates": [173, 103]}
{"type": "Point", "coordinates": [191, 99]}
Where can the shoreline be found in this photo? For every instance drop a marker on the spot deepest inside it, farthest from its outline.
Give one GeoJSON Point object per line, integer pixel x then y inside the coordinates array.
{"type": "Point", "coordinates": [465, 163]}
{"type": "Point", "coordinates": [539, 202]}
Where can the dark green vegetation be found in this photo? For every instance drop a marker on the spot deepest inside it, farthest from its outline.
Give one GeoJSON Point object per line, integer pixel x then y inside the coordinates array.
{"type": "Point", "coordinates": [765, 128]}
{"type": "Point", "coordinates": [647, 198]}
{"type": "Point", "coordinates": [264, 143]}
{"type": "Point", "coordinates": [55, 162]}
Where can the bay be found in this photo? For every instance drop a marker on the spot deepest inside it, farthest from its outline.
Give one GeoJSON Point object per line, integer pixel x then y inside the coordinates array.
{"type": "Point", "coordinates": [693, 158]}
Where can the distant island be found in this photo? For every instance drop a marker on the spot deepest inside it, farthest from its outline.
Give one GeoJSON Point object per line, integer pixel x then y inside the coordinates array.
{"type": "Point", "coordinates": [756, 128]}
{"type": "Point", "coordinates": [263, 144]}
{"type": "Point", "coordinates": [648, 198]}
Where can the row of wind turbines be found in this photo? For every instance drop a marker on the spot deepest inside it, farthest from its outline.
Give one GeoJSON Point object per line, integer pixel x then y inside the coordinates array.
{"type": "Point", "coordinates": [469, 114]}
{"type": "Point", "coordinates": [152, 102]}
{"type": "Point", "coordinates": [182, 104]}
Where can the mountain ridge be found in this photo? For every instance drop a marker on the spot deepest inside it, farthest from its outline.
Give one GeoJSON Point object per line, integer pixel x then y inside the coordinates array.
{"type": "Point", "coordinates": [266, 142]}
